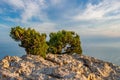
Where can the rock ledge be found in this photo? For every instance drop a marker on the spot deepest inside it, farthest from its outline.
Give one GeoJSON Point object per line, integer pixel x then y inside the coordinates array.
{"type": "Point", "coordinates": [57, 67]}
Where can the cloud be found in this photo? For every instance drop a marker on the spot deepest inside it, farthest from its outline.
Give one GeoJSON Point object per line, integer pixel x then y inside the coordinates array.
{"type": "Point", "coordinates": [102, 19]}
{"type": "Point", "coordinates": [56, 2]}
{"type": "Point", "coordinates": [108, 28]}
{"type": "Point", "coordinates": [34, 10]}
{"type": "Point", "coordinates": [4, 33]}
{"type": "Point", "coordinates": [45, 27]}
{"type": "Point", "coordinates": [15, 3]}
{"type": "Point", "coordinates": [3, 26]}
{"type": "Point", "coordinates": [106, 9]}
{"type": "Point", "coordinates": [15, 20]}
{"type": "Point", "coordinates": [95, 19]}
{"type": "Point", "coordinates": [29, 9]}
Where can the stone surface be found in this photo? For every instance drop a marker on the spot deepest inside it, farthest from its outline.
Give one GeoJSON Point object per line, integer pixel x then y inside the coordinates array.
{"type": "Point", "coordinates": [57, 67]}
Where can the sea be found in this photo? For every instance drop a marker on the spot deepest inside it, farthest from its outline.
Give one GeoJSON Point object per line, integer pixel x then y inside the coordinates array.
{"type": "Point", "coordinates": [104, 48]}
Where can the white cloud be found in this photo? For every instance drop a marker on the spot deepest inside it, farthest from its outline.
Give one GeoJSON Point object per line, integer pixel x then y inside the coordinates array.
{"type": "Point", "coordinates": [16, 3]}
{"type": "Point", "coordinates": [96, 16]}
{"type": "Point", "coordinates": [111, 30]}
{"type": "Point", "coordinates": [103, 10]}
{"type": "Point", "coordinates": [56, 2]}
{"type": "Point", "coordinates": [34, 9]}
{"type": "Point", "coordinates": [15, 20]}
{"type": "Point", "coordinates": [102, 19]}
{"type": "Point", "coordinates": [45, 27]}
{"type": "Point", "coordinates": [3, 26]}
{"type": "Point", "coordinates": [108, 28]}
{"type": "Point", "coordinates": [29, 9]}
{"type": "Point", "coordinates": [42, 3]}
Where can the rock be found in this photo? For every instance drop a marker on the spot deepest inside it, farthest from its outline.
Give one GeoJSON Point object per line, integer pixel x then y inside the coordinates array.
{"type": "Point", "coordinates": [105, 71]}
{"type": "Point", "coordinates": [91, 76]}
{"type": "Point", "coordinates": [5, 63]}
{"type": "Point", "coordinates": [57, 67]}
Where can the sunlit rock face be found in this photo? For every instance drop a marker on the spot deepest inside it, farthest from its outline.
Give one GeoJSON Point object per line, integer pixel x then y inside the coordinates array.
{"type": "Point", "coordinates": [57, 67]}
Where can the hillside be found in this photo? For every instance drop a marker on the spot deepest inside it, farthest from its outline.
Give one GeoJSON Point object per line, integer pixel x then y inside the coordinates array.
{"type": "Point", "coordinates": [57, 67]}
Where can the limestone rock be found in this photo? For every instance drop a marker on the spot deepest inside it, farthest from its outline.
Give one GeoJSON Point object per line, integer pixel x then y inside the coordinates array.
{"type": "Point", "coordinates": [57, 67]}
{"type": "Point", "coordinates": [5, 63]}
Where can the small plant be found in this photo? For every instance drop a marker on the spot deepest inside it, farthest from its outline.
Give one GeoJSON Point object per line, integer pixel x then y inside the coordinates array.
{"type": "Point", "coordinates": [33, 42]}
{"type": "Point", "coordinates": [64, 42]}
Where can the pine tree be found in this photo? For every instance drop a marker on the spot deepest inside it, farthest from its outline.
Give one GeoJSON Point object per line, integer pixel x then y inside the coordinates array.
{"type": "Point", "coordinates": [33, 42]}
{"type": "Point", "coordinates": [64, 42]}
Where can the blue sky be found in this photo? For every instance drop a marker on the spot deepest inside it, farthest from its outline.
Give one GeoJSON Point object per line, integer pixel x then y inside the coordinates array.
{"type": "Point", "coordinates": [88, 18]}
{"type": "Point", "coordinates": [96, 17]}
{"type": "Point", "coordinates": [96, 21]}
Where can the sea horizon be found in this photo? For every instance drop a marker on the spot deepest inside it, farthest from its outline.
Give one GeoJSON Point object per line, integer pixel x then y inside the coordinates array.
{"type": "Point", "coordinates": [102, 48]}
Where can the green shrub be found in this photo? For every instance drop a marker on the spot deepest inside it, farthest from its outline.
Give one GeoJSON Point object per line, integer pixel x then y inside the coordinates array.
{"type": "Point", "coordinates": [33, 42]}
{"type": "Point", "coordinates": [64, 42]}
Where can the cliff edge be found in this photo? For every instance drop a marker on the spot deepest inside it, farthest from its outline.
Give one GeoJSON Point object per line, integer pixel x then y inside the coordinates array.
{"type": "Point", "coordinates": [57, 67]}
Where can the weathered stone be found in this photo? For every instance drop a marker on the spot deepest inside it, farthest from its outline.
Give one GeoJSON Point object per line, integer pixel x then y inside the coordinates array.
{"type": "Point", "coordinates": [57, 67]}
{"type": "Point", "coordinates": [91, 77]}
{"type": "Point", "coordinates": [5, 63]}
{"type": "Point", "coordinates": [105, 72]}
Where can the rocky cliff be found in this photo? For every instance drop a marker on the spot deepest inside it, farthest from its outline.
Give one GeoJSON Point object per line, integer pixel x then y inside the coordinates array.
{"type": "Point", "coordinates": [57, 67]}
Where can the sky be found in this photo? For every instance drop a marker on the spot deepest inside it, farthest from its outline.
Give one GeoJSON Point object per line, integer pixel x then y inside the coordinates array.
{"type": "Point", "coordinates": [96, 17]}
{"type": "Point", "coordinates": [96, 21]}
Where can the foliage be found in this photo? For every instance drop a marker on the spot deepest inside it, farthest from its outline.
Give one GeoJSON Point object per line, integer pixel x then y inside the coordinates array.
{"type": "Point", "coordinates": [64, 41]}
{"type": "Point", "coordinates": [33, 42]}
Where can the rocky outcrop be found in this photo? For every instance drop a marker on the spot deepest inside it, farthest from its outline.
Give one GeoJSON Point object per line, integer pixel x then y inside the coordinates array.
{"type": "Point", "coordinates": [57, 67]}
